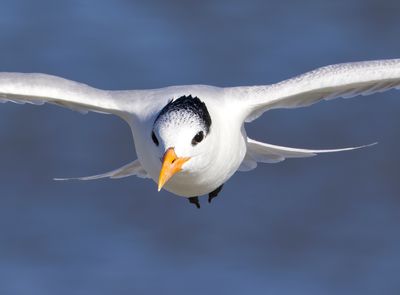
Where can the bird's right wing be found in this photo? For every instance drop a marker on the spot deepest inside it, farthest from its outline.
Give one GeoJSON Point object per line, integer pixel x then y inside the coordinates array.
{"type": "Point", "coordinates": [133, 168]}
{"type": "Point", "coordinates": [41, 88]}
{"type": "Point", "coordinates": [260, 152]}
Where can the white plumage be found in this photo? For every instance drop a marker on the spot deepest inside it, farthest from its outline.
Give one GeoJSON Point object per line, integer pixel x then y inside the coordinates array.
{"type": "Point", "coordinates": [226, 148]}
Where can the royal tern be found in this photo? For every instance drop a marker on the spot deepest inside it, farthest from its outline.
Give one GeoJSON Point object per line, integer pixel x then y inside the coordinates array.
{"type": "Point", "coordinates": [191, 139]}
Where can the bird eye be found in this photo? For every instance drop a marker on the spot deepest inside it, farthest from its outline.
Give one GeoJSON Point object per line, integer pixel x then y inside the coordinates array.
{"type": "Point", "coordinates": [198, 138]}
{"type": "Point", "coordinates": [154, 138]}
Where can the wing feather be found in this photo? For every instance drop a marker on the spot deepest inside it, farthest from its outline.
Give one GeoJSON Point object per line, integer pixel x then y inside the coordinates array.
{"type": "Point", "coordinates": [133, 168]}
{"type": "Point", "coordinates": [260, 152]}
{"type": "Point", "coordinates": [341, 80]}
{"type": "Point", "coordinates": [41, 88]}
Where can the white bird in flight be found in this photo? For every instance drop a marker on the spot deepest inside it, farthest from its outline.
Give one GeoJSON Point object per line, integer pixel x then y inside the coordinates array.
{"type": "Point", "coordinates": [191, 139]}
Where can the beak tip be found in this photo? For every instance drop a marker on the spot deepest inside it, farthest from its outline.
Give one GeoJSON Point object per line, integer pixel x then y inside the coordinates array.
{"type": "Point", "coordinates": [160, 186]}
{"type": "Point", "coordinates": [171, 164]}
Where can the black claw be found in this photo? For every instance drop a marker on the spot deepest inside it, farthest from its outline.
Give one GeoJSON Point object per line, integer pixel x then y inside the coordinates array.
{"type": "Point", "coordinates": [214, 193]}
{"type": "Point", "coordinates": [195, 200]}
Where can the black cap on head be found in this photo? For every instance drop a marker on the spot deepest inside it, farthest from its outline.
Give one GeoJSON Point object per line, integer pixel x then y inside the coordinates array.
{"type": "Point", "coordinates": [187, 105]}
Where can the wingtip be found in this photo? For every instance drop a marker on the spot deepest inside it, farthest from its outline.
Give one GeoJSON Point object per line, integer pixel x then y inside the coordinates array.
{"type": "Point", "coordinates": [344, 149]}
{"type": "Point", "coordinates": [366, 145]}
{"type": "Point", "coordinates": [359, 147]}
{"type": "Point", "coordinates": [64, 179]}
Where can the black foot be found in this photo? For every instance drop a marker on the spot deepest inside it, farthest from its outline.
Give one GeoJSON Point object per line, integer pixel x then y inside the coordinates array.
{"type": "Point", "coordinates": [195, 200]}
{"type": "Point", "coordinates": [214, 193]}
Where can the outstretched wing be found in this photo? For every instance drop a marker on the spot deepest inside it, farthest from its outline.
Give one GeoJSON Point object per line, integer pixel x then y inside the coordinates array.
{"type": "Point", "coordinates": [133, 168]}
{"type": "Point", "coordinates": [41, 88]}
{"type": "Point", "coordinates": [341, 80]}
{"type": "Point", "coordinates": [260, 152]}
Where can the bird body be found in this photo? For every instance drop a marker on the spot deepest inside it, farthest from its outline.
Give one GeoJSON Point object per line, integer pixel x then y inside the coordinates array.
{"type": "Point", "coordinates": [227, 140]}
{"type": "Point", "coordinates": [191, 139]}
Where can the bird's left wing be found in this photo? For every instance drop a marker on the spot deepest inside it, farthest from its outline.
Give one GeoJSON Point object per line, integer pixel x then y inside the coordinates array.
{"type": "Point", "coordinates": [260, 152]}
{"type": "Point", "coordinates": [341, 80]}
{"type": "Point", "coordinates": [41, 88]}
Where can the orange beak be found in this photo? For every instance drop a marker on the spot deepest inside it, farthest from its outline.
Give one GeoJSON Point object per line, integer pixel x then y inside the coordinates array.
{"type": "Point", "coordinates": [171, 165]}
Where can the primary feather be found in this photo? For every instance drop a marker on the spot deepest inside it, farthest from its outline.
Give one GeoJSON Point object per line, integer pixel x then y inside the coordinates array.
{"type": "Point", "coordinates": [340, 80]}
{"type": "Point", "coordinates": [41, 88]}
{"type": "Point", "coordinates": [132, 168]}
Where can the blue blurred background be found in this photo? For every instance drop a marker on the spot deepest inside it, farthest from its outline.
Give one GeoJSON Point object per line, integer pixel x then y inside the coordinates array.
{"type": "Point", "coordinates": [323, 225]}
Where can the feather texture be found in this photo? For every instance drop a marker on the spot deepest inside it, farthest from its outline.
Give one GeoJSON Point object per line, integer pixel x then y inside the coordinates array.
{"type": "Point", "coordinates": [133, 168]}
{"type": "Point", "coordinates": [341, 80]}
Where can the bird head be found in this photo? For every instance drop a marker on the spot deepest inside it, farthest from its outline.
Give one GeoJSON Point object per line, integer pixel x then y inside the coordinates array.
{"type": "Point", "coordinates": [181, 132]}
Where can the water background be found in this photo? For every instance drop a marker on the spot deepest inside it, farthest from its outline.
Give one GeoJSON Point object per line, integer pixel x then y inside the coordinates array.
{"type": "Point", "coordinates": [322, 225]}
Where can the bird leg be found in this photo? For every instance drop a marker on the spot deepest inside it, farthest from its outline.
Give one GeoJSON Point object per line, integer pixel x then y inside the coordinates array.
{"type": "Point", "coordinates": [195, 200]}
{"type": "Point", "coordinates": [214, 193]}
